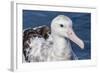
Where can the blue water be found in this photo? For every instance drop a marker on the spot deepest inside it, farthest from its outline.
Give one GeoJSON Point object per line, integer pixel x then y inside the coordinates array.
{"type": "Point", "coordinates": [81, 26]}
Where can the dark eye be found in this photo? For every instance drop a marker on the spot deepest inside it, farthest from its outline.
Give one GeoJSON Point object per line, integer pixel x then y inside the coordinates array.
{"type": "Point", "coordinates": [61, 25]}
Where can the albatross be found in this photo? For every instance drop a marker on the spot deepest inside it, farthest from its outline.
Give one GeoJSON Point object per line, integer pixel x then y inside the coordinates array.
{"type": "Point", "coordinates": [52, 43]}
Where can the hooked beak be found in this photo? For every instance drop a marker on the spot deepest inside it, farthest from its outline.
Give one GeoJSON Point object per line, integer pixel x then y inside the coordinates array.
{"type": "Point", "coordinates": [73, 37]}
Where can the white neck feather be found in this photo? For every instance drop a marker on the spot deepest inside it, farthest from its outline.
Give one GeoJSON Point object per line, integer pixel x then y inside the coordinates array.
{"type": "Point", "coordinates": [61, 45]}
{"type": "Point", "coordinates": [59, 42]}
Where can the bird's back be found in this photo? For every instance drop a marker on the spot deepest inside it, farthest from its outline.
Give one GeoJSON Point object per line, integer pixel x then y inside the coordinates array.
{"type": "Point", "coordinates": [36, 44]}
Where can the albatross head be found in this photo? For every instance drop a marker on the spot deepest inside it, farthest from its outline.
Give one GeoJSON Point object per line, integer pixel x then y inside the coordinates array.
{"type": "Point", "coordinates": [62, 27]}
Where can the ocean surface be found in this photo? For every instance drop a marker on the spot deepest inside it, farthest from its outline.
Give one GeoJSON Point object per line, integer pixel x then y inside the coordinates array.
{"type": "Point", "coordinates": [81, 26]}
